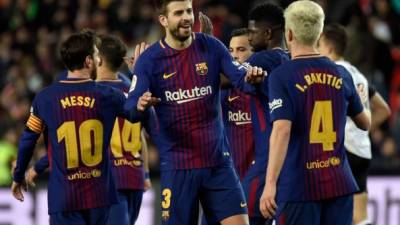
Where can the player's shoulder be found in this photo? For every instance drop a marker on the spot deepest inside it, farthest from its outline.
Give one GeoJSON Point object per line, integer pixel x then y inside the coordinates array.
{"type": "Point", "coordinates": [353, 71]}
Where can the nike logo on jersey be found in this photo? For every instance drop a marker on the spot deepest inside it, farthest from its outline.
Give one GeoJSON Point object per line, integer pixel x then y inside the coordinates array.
{"type": "Point", "coordinates": [168, 75]}
{"type": "Point", "coordinates": [243, 204]}
{"type": "Point", "coordinates": [230, 99]}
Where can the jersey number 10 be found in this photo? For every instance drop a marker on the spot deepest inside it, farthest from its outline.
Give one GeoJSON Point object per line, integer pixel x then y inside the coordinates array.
{"type": "Point", "coordinates": [89, 130]}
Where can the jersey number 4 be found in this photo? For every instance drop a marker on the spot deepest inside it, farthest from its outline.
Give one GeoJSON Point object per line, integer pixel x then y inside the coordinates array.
{"type": "Point", "coordinates": [321, 130]}
{"type": "Point", "coordinates": [127, 139]}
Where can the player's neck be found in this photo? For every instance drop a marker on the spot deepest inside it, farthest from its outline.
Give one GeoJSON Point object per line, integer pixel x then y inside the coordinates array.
{"type": "Point", "coordinates": [79, 74]}
{"type": "Point", "coordinates": [301, 50]}
{"type": "Point", "coordinates": [176, 44]}
{"type": "Point", "coordinates": [106, 74]}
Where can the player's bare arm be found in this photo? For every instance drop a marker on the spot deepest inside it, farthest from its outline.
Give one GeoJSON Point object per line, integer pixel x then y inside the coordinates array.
{"type": "Point", "coordinates": [380, 110]}
{"type": "Point", "coordinates": [145, 156]}
{"type": "Point", "coordinates": [363, 120]}
{"type": "Point", "coordinates": [279, 142]}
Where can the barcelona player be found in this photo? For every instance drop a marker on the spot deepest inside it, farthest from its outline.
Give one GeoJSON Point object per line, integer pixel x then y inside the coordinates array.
{"type": "Point", "coordinates": [310, 97]}
{"type": "Point", "coordinates": [76, 116]}
{"type": "Point", "coordinates": [130, 168]}
{"type": "Point", "coordinates": [266, 25]}
{"type": "Point", "coordinates": [182, 71]}
{"type": "Point", "coordinates": [236, 110]}
{"type": "Point", "coordinates": [333, 44]}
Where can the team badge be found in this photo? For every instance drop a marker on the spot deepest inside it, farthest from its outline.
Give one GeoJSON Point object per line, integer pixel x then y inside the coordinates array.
{"type": "Point", "coordinates": [201, 68]}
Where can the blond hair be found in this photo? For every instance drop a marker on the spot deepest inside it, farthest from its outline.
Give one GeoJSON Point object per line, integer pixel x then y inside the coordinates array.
{"type": "Point", "coordinates": [306, 19]}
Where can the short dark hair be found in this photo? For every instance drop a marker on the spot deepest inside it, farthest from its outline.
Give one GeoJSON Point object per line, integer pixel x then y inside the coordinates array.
{"type": "Point", "coordinates": [76, 48]}
{"type": "Point", "coordinates": [268, 13]}
{"type": "Point", "coordinates": [336, 35]}
{"type": "Point", "coordinates": [239, 32]}
{"type": "Point", "coordinates": [113, 50]}
{"type": "Point", "coordinates": [162, 5]}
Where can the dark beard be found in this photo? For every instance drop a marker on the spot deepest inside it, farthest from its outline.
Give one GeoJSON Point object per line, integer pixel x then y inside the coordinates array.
{"type": "Point", "coordinates": [175, 34]}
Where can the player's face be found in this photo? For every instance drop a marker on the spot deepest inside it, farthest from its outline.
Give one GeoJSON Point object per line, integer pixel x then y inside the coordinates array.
{"type": "Point", "coordinates": [179, 19]}
{"type": "Point", "coordinates": [256, 36]}
{"type": "Point", "coordinates": [240, 48]}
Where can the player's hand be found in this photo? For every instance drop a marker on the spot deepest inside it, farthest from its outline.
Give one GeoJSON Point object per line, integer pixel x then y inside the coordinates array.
{"type": "Point", "coordinates": [30, 177]}
{"type": "Point", "coordinates": [139, 49]}
{"type": "Point", "coordinates": [146, 100]}
{"type": "Point", "coordinates": [206, 25]}
{"type": "Point", "coordinates": [147, 184]}
{"type": "Point", "coordinates": [16, 189]}
{"type": "Point", "coordinates": [267, 202]}
{"type": "Point", "coordinates": [255, 75]}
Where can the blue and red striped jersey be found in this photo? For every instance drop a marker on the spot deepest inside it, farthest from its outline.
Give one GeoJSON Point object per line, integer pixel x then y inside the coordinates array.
{"type": "Point", "coordinates": [268, 60]}
{"type": "Point", "coordinates": [125, 147]}
{"type": "Point", "coordinates": [190, 130]}
{"type": "Point", "coordinates": [239, 130]}
{"type": "Point", "coordinates": [76, 117]}
{"type": "Point", "coordinates": [316, 95]}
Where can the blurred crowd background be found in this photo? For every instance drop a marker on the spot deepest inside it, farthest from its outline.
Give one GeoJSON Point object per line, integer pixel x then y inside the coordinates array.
{"type": "Point", "coordinates": [31, 30]}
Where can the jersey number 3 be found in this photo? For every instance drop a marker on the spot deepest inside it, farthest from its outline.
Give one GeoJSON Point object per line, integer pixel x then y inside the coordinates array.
{"type": "Point", "coordinates": [321, 130]}
{"type": "Point", "coordinates": [90, 133]}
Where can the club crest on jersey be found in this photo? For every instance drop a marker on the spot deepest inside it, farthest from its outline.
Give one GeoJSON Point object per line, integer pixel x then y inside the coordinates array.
{"type": "Point", "coordinates": [201, 68]}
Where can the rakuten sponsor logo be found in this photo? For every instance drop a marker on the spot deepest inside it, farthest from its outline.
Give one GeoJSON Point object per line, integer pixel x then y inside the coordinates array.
{"type": "Point", "coordinates": [239, 117]}
{"type": "Point", "coordinates": [187, 95]}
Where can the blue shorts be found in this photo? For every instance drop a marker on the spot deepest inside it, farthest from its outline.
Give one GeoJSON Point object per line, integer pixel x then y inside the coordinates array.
{"type": "Point", "coordinates": [127, 210]}
{"type": "Point", "coordinates": [97, 216]}
{"type": "Point", "coordinates": [218, 190]}
{"type": "Point", "coordinates": [253, 187]}
{"type": "Point", "coordinates": [335, 211]}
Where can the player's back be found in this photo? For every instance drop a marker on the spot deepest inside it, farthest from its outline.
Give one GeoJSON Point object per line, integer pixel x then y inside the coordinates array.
{"type": "Point", "coordinates": [125, 147]}
{"type": "Point", "coordinates": [317, 102]}
{"type": "Point", "coordinates": [78, 116]}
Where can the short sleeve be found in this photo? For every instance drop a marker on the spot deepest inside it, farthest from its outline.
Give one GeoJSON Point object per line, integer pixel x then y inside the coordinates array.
{"type": "Point", "coordinates": [354, 102]}
{"type": "Point", "coordinates": [280, 104]}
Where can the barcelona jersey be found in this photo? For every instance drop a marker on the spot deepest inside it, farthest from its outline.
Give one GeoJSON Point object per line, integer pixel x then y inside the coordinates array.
{"type": "Point", "coordinates": [316, 95]}
{"type": "Point", "coordinates": [76, 117]}
{"type": "Point", "coordinates": [190, 130]}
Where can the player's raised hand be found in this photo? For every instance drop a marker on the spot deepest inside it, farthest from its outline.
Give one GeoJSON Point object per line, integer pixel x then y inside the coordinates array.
{"type": "Point", "coordinates": [206, 25]}
{"type": "Point", "coordinates": [267, 202]}
{"type": "Point", "coordinates": [146, 100]}
{"type": "Point", "coordinates": [139, 49]}
{"type": "Point", "coordinates": [16, 189]}
{"type": "Point", "coordinates": [30, 177]}
{"type": "Point", "coordinates": [255, 75]}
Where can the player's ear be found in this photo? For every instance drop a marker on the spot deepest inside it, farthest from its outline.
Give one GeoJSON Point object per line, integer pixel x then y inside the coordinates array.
{"type": "Point", "coordinates": [268, 34]}
{"type": "Point", "coordinates": [290, 35]}
{"type": "Point", "coordinates": [163, 20]}
{"type": "Point", "coordinates": [88, 61]}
